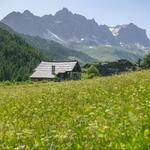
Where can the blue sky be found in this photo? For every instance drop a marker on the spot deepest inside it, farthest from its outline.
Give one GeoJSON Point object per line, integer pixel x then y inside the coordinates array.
{"type": "Point", "coordinates": [110, 12]}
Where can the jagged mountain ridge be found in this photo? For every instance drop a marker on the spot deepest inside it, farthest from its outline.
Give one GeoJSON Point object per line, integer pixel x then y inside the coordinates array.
{"type": "Point", "coordinates": [50, 50]}
{"type": "Point", "coordinates": [63, 26]}
{"type": "Point", "coordinates": [67, 27]}
{"type": "Point", "coordinates": [130, 34]}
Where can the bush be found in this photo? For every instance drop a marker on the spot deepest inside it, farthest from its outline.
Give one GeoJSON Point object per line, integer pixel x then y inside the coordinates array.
{"type": "Point", "coordinates": [91, 72]}
{"type": "Point", "coordinates": [146, 62]}
{"type": "Point", "coordinates": [7, 83]}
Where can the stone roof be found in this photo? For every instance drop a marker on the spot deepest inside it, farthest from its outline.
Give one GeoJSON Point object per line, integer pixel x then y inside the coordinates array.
{"type": "Point", "coordinates": [44, 69]}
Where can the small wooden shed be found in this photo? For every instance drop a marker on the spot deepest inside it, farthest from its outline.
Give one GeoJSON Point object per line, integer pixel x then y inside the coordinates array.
{"type": "Point", "coordinates": [66, 70]}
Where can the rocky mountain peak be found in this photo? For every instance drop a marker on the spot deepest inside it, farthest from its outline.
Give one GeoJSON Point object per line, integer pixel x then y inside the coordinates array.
{"type": "Point", "coordinates": [27, 13]}
{"type": "Point", "coordinates": [63, 12]}
{"type": "Point", "coordinates": [69, 26]}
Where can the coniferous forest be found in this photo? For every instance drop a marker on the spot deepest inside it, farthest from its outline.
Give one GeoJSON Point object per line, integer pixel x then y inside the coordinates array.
{"type": "Point", "coordinates": [17, 58]}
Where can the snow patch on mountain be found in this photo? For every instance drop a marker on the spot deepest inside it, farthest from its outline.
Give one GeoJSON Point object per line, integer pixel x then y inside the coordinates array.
{"type": "Point", "coordinates": [115, 30]}
{"type": "Point", "coordinates": [108, 45]}
{"type": "Point", "coordinates": [139, 46]}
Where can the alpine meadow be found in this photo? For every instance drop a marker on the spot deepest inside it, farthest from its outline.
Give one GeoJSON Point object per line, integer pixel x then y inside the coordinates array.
{"type": "Point", "coordinates": [74, 75]}
{"type": "Point", "coordinates": [101, 113]}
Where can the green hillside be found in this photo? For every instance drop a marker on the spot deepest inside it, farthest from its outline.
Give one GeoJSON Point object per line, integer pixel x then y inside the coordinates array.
{"type": "Point", "coordinates": [20, 54]}
{"type": "Point", "coordinates": [56, 51]}
{"type": "Point", "coordinates": [52, 49]}
{"type": "Point", "coordinates": [17, 58]}
{"type": "Point", "coordinates": [111, 53]}
{"type": "Point", "coordinates": [5, 27]}
{"type": "Point", "coordinates": [103, 113]}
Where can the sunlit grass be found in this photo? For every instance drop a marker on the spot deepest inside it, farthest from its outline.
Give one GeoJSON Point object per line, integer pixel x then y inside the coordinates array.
{"type": "Point", "coordinates": [102, 113]}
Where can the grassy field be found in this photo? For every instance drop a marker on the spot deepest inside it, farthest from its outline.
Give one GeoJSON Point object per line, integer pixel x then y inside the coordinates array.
{"type": "Point", "coordinates": [103, 113]}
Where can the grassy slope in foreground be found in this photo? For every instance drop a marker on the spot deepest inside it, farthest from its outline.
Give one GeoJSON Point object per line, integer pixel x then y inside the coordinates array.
{"type": "Point", "coordinates": [108, 113]}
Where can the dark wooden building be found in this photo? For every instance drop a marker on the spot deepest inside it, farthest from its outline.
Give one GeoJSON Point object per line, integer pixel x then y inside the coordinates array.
{"type": "Point", "coordinates": [69, 70]}
{"type": "Point", "coordinates": [116, 67]}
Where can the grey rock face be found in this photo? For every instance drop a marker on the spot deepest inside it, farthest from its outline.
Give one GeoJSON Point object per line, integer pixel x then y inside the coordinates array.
{"type": "Point", "coordinates": [65, 26]}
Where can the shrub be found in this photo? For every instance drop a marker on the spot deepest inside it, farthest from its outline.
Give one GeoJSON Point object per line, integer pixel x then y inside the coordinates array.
{"type": "Point", "coordinates": [146, 62]}
{"type": "Point", "coordinates": [91, 72]}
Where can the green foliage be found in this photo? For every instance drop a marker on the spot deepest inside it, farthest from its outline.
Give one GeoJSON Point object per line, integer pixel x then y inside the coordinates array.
{"type": "Point", "coordinates": [146, 63]}
{"type": "Point", "coordinates": [17, 58]}
{"type": "Point", "coordinates": [103, 113]}
{"type": "Point", "coordinates": [91, 72]}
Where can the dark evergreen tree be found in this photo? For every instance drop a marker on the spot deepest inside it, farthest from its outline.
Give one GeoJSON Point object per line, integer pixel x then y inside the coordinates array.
{"type": "Point", "coordinates": [146, 62]}
{"type": "Point", "coordinates": [17, 58]}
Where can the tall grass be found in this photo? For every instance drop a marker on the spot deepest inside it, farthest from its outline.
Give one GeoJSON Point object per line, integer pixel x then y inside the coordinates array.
{"type": "Point", "coordinates": [102, 113]}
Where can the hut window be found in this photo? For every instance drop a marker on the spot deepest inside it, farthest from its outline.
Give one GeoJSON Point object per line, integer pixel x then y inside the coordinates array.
{"type": "Point", "coordinates": [53, 69]}
{"type": "Point", "coordinates": [75, 75]}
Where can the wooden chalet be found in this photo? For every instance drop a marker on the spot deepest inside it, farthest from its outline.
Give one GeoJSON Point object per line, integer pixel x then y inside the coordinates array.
{"type": "Point", "coordinates": [69, 70]}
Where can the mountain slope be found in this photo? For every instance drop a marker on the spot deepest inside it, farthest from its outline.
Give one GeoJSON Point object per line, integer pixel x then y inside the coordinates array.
{"type": "Point", "coordinates": [111, 53]}
{"type": "Point", "coordinates": [63, 26]}
{"type": "Point", "coordinates": [130, 34]}
{"type": "Point", "coordinates": [77, 32]}
{"type": "Point", "coordinates": [56, 51]}
{"type": "Point", "coordinates": [18, 59]}
{"type": "Point", "coordinates": [66, 27]}
{"type": "Point", "coordinates": [6, 27]}
{"type": "Point", "coordinates": [51, 49]}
